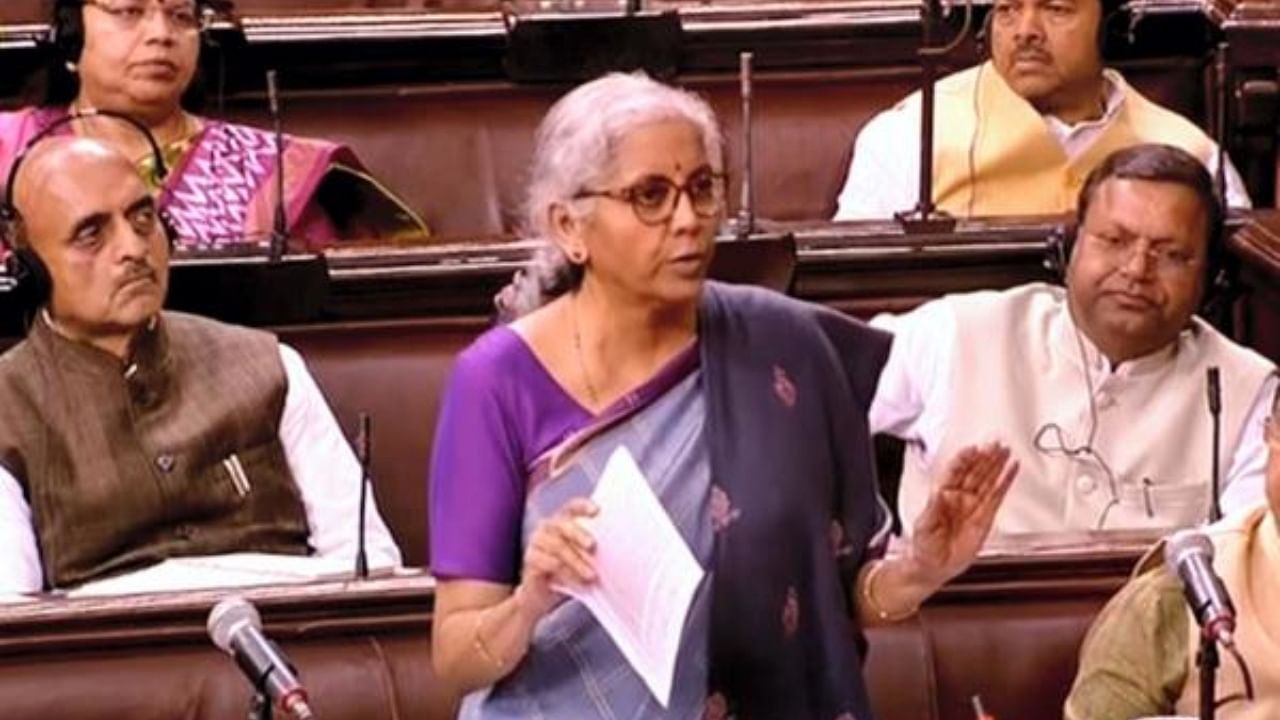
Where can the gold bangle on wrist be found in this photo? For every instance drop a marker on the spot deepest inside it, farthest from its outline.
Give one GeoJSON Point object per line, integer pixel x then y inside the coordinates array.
{"type": "Point", "coordinates": [481, 648]}
{"type": "Point", "coordinates": [869, 596]}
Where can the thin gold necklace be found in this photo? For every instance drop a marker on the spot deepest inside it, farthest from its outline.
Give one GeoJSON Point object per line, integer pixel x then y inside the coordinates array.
{"type": "Point", "coordinates": [582, 362]}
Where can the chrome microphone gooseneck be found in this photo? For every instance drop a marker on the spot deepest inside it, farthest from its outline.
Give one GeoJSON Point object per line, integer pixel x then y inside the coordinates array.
{"type": "Point", "coordinates": [366, 454]}
{"type": "Point", "coordinates": [746, 208]}
{"type": "Point", "coordinates": [280, 225]}
{"type": "Point", "coordinates": [1221, 109]}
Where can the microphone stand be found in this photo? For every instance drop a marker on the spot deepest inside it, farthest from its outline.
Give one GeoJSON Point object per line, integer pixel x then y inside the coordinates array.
{"type": "Point", "coordinates": [925, 217]}
{"type": "Point", "coordinates": [1214, 388]}
{"type": "Point", "coordinates": [260, 706]}
{"type": "Point", "coordinates": [1207, 662]}
{"type": "Point", "coordinates": [280, 224]}
{"type": "Point", "coordinates": [1221, 110]}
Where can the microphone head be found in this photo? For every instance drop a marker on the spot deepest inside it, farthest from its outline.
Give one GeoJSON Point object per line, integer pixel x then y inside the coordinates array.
{"type": "Point", "coordinates": [228, 617]}
{"type": "Point", "coordinates": [1185, 543]}
{"type": "Point", "coordinates": [1214, 388]}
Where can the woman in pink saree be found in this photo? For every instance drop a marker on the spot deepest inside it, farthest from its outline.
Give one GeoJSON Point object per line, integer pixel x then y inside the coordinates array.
{"type": "Point", "coordinates": [138, 58]}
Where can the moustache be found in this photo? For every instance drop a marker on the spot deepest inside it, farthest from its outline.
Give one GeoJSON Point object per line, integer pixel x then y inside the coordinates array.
{"type": "Point", "coordinates": [136, 273]}
{"type": "Point", "coordinates": [1032, 54]}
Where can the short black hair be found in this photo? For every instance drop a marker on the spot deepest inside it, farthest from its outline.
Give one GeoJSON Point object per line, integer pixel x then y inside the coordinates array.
{"type": "Point", "coordinates": [1163, 163]}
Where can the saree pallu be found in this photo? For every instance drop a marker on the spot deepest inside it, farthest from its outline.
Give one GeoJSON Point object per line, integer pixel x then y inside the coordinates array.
{"type": "Point", "coordinates": [573, 668]}
{"type": "Point", "coordinates": [220, 192]}
{"type": "Point", "coordinates": [795, 503]}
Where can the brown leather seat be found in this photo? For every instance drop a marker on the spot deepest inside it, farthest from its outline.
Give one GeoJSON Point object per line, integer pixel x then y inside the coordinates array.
{"type": "Point", "coordinates": [24, 11]}
{"type": "Point", "coordinates": [394, 371]}
{"type": "Point", "coordinates": [1018, 653]}
{"type": "Point", "coordinates": [460, 154]}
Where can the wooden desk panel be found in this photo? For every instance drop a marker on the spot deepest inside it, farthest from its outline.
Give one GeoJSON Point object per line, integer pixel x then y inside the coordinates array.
{"type": "Point", "coordinates": [1009, 629]}
{"type": "Point", "coordinates": [362, 649]}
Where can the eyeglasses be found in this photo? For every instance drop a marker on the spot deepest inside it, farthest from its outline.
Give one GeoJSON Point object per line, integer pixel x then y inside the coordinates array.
{"type": "Point", "coordinates": [1166, 259]}
{"type": "Point", "coordinates": [654, 198]}
{"type": "Point", "coordinates": [130, 14]}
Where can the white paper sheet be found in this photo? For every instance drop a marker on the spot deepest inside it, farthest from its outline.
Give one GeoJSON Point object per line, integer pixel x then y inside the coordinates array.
{"type": "Point", "coordinates": [646, 574]}
{"type": "Point", "coordinates": [224, 571]}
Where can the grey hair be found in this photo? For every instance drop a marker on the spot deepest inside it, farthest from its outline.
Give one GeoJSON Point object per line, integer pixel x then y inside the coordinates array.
{"type": "Point", "coordinates": [576, 146]}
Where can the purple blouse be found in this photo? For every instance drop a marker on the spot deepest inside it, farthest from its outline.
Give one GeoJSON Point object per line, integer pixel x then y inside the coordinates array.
{"type": "Point", "coordinates": [501, 411]}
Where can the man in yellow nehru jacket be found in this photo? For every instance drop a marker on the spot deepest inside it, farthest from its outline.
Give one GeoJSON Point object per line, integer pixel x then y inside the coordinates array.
{"type": "Point", "coordinates": [1018, 133]}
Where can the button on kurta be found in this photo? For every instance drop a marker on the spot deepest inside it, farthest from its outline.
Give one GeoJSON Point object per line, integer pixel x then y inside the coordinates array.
{"type": "Point", "coordinates": [166, 462]}
{"type": "Point", "coordinates": [1085, 484]}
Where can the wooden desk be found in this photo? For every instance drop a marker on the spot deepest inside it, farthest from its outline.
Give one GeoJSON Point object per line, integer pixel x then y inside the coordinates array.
{"type": "Point", "coordinates": [1009, 629]}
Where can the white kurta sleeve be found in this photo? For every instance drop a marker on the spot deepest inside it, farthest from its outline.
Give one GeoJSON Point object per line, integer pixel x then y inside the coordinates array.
{"type": "Point", "coordinates": [327, 472]}
{"type": "Point", "coordinates": [1244, 485]}
{"type": "Point", "coordinates": [884, 172]}
{"type": "Point", "coordinates": [1237, 195]}
{"type": "Point", "coordinates": [20, 570]}
{"type": "Point", "coordinates": [911, 400]}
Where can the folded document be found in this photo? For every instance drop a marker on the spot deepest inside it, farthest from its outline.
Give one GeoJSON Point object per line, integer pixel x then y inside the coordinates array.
{"type": "Point", "coordinates": [209, 572]}
{"type": "Point", "coordinates": [646, 574]}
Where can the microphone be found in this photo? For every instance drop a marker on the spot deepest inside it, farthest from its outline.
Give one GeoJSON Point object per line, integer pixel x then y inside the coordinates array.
{"type": "Point", "coordinates": [280, 224]}
{"type": "Point", "coordinates": [366, 458]}
{"type": "Point", "coordinates": [746, 209]}
{"type": "Point", "coordinates": [1214, 389]}
{"type": "Point", "coordinates": [234, 626]}
{"type": "Point", "coordinates": [1190, 553]}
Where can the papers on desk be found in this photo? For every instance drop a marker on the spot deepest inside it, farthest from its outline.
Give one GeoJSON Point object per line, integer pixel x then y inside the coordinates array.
{"type": "Point", "coordinates": [646, 574]}
{"type": "Point", "coordinates": [225, 571]}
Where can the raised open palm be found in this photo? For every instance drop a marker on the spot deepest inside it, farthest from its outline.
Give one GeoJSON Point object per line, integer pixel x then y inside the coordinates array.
{"type": "Point", "coordinates": [961, 510]}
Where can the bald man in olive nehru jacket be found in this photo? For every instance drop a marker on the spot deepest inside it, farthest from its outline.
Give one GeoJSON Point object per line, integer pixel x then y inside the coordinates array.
{"type": "Point", "coordinates": [129, 434]}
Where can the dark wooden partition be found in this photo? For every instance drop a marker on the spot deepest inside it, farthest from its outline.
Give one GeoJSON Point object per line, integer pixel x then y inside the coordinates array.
{"type": "Point", "coordinates": [1258, 247]}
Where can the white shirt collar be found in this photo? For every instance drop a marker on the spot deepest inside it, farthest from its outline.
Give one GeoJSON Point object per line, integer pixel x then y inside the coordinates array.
{"type": "Point", "coordinates": [1114, 101]}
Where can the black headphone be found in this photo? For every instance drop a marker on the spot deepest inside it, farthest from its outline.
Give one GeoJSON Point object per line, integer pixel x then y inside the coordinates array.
{"type": "Point", "coordinates": [21, 262]}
